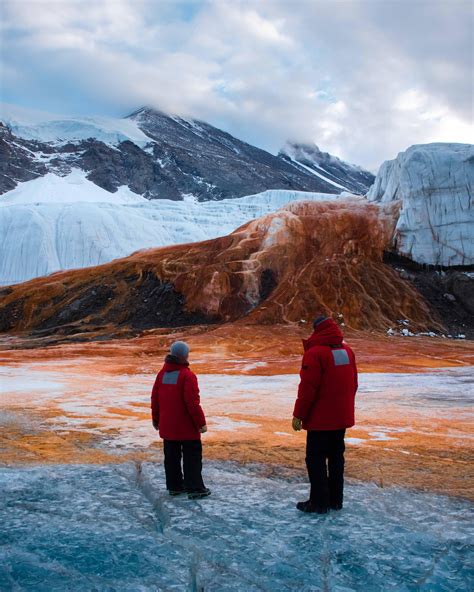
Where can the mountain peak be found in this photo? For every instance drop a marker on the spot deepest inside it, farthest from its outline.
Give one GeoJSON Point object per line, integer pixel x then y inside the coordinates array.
{"type": "Point", "coordinates": [295, 148]}
{"type": "Point", "coordinates": [333, 170]}
{"type": "Point", "coordinates": [159, 155]}
{"type": "Point", "coordinates": [146, 110]}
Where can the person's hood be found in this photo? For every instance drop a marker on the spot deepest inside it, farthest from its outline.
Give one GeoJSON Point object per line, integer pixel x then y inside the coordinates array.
{"type": "Point", "coordinates": [326, 333]}
{"type": "Point", "coordinates": [173, 363]}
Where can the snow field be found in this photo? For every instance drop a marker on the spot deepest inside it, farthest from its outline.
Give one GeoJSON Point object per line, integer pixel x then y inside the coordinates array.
{"type": "Point", "coordinates": [60, 129]}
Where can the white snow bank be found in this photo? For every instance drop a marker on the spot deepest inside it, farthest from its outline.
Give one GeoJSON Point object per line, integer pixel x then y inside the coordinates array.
{"type": "Point", "coordinates": [113, 527]}
{"type": "Point", "coordinates": [47, 127]}
{"type": "Point", "coordinates": [55, 223]}
{"type": "Point", "coordinates": [321, 176]}
{"type": "Point", "coordinates": [435, 185]}
{"type": "Point", "coordinates": [75, 187]}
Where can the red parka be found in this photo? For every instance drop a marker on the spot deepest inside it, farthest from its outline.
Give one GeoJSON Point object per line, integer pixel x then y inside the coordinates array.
{"type": "Point", "coordinates": [175, 402]}
{"type": "Point", "coordinates": [326, 394]}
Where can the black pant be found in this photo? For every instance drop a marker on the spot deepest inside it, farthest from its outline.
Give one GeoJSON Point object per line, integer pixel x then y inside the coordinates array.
{"type": "Point", "coordinates": [191, 451]}
{"type": "Point", "coordinates": [325, 463]}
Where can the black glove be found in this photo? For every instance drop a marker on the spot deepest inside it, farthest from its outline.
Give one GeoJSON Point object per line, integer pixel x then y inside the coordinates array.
{"type": "Point", "coordinates": [155, 424]}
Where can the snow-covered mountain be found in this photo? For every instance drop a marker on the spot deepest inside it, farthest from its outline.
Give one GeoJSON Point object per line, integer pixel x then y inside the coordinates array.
{"type": "Point", "coordinates": [342, 175]}
{"type": "Point", "coordinates": [155, 155]}
{"type": "Point", "coordinates": [434, 183]}
{"type": "Point", "coordinates": [53, 223]}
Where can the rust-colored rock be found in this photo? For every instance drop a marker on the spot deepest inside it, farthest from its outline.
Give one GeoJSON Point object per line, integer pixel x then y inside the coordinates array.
{"type": "Point", "coordinates": [308, 258]}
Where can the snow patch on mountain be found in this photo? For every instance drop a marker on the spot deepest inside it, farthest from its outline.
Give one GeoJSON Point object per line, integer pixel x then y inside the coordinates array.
{"type": "Point", "coordinates": [434, 183]}
{"type": "Point", "coordinates": [313, 172]}
{"type": "Point", "coordinates": [72, 188]}
{"type": "Point", "coordinates": [47, 127]}
{"type": "Point", "coordinates": [329, 168]}
{"type": "Point", "coordinates": [55, 223]}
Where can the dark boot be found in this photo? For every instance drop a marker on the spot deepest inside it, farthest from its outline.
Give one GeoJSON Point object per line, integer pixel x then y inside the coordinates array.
{"type": "Point", "coordinates": [175, 492]}
{"type": "Point", "coordinates": [310, 507]}
{"type": "Point", "coordinates": [199, 493]}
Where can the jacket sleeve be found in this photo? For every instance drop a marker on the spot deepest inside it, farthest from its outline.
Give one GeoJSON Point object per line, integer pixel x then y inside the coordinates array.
{"type": "Point", "coordinates": [155, 406]}
{"type": "Point", "coordinates": [310, 376]}
{"type": "Point", "coordinates": [192, 400]}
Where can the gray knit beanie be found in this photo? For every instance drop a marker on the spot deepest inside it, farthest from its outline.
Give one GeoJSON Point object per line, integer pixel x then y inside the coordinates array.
{"type": "Point", "coordinates": [318, 320]}
{"type": "Point", "coordinates": [180, 349]}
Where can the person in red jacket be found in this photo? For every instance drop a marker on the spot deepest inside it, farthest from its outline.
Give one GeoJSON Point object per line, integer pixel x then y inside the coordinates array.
{"type": "Point", "coordinates": [325, 408]}
{"type": "Point", "coordinates": [177, 414]}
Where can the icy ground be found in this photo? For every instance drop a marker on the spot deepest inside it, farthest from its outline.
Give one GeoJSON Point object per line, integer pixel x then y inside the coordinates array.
{"type": "Point", "coordinates": [114, 528]}
{"type": "Point", "coordinates": [111, 402]}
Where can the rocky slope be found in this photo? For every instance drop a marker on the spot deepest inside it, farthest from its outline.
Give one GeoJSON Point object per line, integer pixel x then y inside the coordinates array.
{"type": "Point", "coordinates": [306, 259]}
{"type": "Point", "coordinates": [434, 185]}
{"type": "Point", "coordinates": [333, 170]}
{"type": "Point", "coordinates": [155, 155]}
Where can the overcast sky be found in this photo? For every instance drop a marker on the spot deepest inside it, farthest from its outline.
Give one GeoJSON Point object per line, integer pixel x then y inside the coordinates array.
{"type": "Point", "coordinates": [363, 79]}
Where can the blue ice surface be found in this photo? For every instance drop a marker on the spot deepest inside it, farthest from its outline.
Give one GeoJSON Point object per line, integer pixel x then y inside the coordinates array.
{"type": "Point", "coordinates": [114, 528]}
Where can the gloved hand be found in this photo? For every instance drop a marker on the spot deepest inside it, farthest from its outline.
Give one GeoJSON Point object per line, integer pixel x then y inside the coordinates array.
{"type": "Point", "coordinates": [203, 430]}
{"type": "Point", "coordinates": [296, 424]}
{"type": "Point", "coordinates": [155, 425]}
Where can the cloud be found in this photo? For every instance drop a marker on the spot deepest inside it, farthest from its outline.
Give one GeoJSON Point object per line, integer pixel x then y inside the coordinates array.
{"type": "Point", "coordinates": [363, 79]}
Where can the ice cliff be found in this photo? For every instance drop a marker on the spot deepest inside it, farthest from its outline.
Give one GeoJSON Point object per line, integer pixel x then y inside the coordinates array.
{"type": "Point", "coordinates": [53, 223]}
{"type": "Point", "coordinates": [434, 183]}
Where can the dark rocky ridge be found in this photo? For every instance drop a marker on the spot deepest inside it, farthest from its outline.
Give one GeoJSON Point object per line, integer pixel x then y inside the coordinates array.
{"type": "Point", "coordinates": [150, 303]}
{"type": "Point", "coordinates": [182, 157]}
{"type": "Point", "coordinates": [17, 161]}
{"type": "Point", "coordinates": [449, 292]}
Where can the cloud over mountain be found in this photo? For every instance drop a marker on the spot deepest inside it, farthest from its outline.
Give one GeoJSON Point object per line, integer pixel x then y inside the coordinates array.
{"type": "Point", "coordinates": [362, 79]}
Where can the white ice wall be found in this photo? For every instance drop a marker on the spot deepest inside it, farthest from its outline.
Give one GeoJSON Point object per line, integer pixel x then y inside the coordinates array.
{"type": "Point", "coordinates": [54, 223]}
{"type": "Point", "coordinates": [435, 185]}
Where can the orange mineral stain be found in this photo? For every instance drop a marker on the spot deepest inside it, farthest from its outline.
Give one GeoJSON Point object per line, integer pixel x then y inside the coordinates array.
{"type": "Point", "coordinates": [89, 403]}
{"type": "Point", "coordinates": [308, 258]}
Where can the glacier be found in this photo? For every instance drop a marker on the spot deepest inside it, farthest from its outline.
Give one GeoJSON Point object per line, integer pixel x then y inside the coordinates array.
{"type": "Point", "coordinates": [72, 188]}
{"type": "Point", "coordinates": [434, 184]}
{"type": "Point", "coordinates": [113, 527]}
{"type": "Point", "coordinates": [58, 129]}
{"type": "Point", "coordinates": [54, 223]}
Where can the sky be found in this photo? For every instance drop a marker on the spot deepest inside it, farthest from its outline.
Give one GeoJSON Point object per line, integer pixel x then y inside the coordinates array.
{"type": "Point", "coordinates": [363, 79]}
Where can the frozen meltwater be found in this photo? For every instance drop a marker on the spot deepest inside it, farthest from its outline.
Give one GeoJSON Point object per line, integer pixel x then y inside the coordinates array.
{"type": "Point", "coordinates": [113, 528]}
